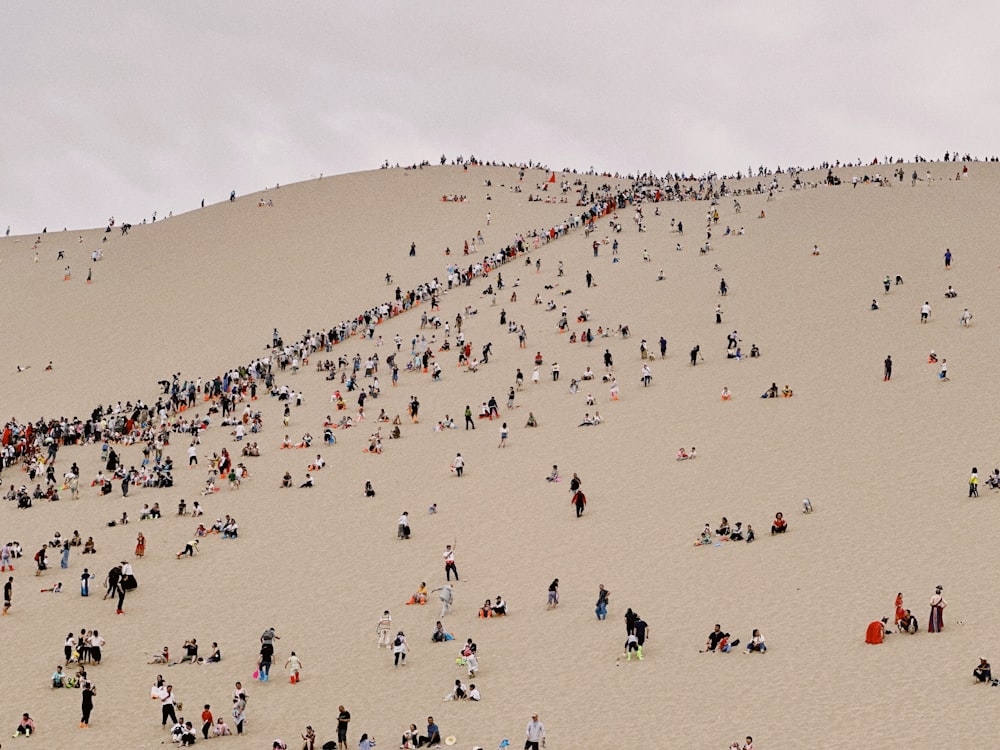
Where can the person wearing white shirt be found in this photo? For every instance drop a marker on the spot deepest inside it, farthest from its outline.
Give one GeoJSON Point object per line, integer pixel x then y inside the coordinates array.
{"type": "Point", "coordinates": [474, 693]}
{"type": "Point", "coordinates": [535, 733]}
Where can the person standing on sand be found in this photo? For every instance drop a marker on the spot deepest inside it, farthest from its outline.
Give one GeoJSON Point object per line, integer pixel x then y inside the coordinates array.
{"type": "Point", "coordinates": [8, 592]}
{"type": "Point", "coordinates": [947, 259]}
{"type": "Point", "coordinates": [718, 314]}
{"type": "Point", "coordinates": [694, 354]}
{"type": "Point", "coordinates": [87, 703]}
{"type": "Point", "coordinates": [503, 436]}
{"type": "Point", "coordinates": [936, 622]}
{"type": "Point", "coordinates": [468, 418]}
{"type": "Point", "coordinates": [887, 374]}
{"type": "Point", "coordinates": [535, 734]}
{"type": "Point", "coordinates": [449, 563]}
{"type": "Point", "coordinates": [601, 608]}
{"type": "Point", "coordinates": [167, 702]}
{"type": "Point", "coordinates": [343, 719]}
{"type": "Point", "coordinates": [925, 312]}
{"type": "Point", "coordinates": [974, 483]}
{"type": "Point", "coordinates": [943, 374]}
{"type": "Point", "coordinates": [458, 465]}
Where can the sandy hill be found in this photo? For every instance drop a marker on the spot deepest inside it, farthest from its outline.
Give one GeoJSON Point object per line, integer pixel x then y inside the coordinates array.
{"type": "Point", "coordinates": [885, 464]}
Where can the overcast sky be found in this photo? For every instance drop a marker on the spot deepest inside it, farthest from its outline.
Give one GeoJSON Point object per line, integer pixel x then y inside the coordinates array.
{"type": "Point", "coordinates": [129, 107]}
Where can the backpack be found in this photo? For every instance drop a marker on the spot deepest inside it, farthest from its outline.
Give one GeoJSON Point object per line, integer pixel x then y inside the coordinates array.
{"type": "Point", "coordinates": [398, 641]}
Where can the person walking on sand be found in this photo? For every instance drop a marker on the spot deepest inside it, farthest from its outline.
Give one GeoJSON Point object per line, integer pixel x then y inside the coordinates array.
{"type": "Point", "coordinates": [468, 418]}
{"type": "Point", "coordinates": [966, 318]}
{"type": "Point", "coordinates": [718, 314]}
{"type": "Point", "coordinates": [925, 312]}
{"type": "Point", "coordinates": [503, 436]}
{"type": "Point", "coordinates": [943, 374]}
{"type": "Point", "coordinates": [947, 259]}
{"type": "Point", "coordinates": [887, 374]}
{"type": "Point", "coordinates": [974, 483]}
{"type": "Point", "coordinates": [382, 628]}
{"type": "Point", "coordinates": [936, 622]}
{"type": "Point", "coordinates": [8, 593]}
{"type": "Point", "coordinates": [399, 649]}
{"type": "Point", "coordinates": [694, 354]}
{"type": "Point", "coordinates": [447, 597]}
{"type": "Point", "coordinates": [294, 667]}
{"type": "Point", "coordinates": [458, 465]}
{"type": "Point", "coordinates": [553, 597]}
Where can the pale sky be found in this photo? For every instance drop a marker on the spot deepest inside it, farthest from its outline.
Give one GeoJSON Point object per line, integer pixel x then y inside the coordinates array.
{"type": "Point", "coordinates": [123, 108]}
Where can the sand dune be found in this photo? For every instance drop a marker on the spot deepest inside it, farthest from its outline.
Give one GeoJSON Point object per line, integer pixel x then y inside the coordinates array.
{"type": "Point", "coordinates": [885, 464]}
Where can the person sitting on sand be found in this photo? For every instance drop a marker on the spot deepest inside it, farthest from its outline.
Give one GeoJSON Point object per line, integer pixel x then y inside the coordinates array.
{"type": "Point", "coordinates": [554, 475]}
{"type": "Point", "coordinates": [420, 596]}
{"type": "Point", "coordinates": [993, 481]}
{"type": "Point", "coordinates": [438, 635]}
{"type": "Point", "coordinates": [706, 535]}
{"type": "Point", "coordinates": [908, 623]}
{"type": "Point", "coordinates": [779, 525]}
{"type": "Point", "coordinates": [756, 643]}
{"type": "Point", "coordinates": [532, 422]}
{"type": "Point", "coordinates": [726, 395]}
{"type": "Point", "coordinates": [161, 658]}
{"type": "Point", "coordinates": [786, 392]}
{"type": "Point", "coordinates": [723, 529]}
{"type": "Point", "coordinates": [308, 482]}
{"type": "Point", "coordinates": [736, 533]}
{"type": "Point", "coordinates": [26, 727]}
{"type": "Point", "coordinates": [486, 610]}
{"type": "Point", "coordinates": [754, 351]}
{"type": "Point", "coordinates": [499, 607]}
{"type": "Point", "coordinates": [715, 638]}
{"type": "Point", "coordinates": [771, 392]}
{"type": "Point", "coordinates": [951, 293]}
{"type": "Point", "coordinates": [682, 454]}
{"type": "Point", "coordinates": [286, 481]}
{"type": "Point", "coordinates": [982, 672]}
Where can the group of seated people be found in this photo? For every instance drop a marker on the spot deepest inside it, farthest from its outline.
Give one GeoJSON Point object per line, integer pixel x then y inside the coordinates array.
{"type": "Point", "coordinates": [726, 533]}
{"type": "Point", "coordinates": [772, 392]}
{"type": "Point", "coordinates": [493, 609]}
{"type": "Point", "coordinates": [147, 512]}
{"type": "Point", "coordinates": [461, 693]}
{"type": "Point", "coordinates": [683, 455]}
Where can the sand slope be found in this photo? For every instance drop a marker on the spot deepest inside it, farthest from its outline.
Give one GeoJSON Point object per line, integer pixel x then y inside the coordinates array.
{"type": "Point", "coordinates": [885, 464]}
